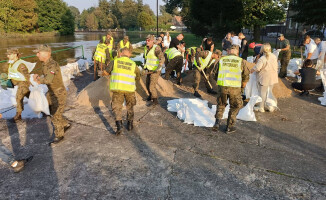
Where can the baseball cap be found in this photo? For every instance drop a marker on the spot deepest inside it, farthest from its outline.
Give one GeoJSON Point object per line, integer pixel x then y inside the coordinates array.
{"type": "Point", "coordinates": [12, 51]}
{"type": "Point", "coordinates": [42, 47]}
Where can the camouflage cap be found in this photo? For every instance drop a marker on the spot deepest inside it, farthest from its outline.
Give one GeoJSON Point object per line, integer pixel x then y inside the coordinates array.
{"type": "Point", "coordinates": [12, 51]}
{"type": "Point", "coordinates": [281, 35]}
{"type": "Point", "coordinates": [109, 33]}
{"type": "Point", "coordinates": [150, 37]}
{"type": "Point", "coordinates": [43, 47]}
{"type": "Point", "coordinates": [126, 37]}
{"type": "Point", "coordinates": [234, 47]}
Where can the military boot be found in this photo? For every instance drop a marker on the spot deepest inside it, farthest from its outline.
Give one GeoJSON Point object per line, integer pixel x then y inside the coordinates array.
{"type": "Point", "coordinates": [130, 125]}
{"type": "Point", "coordinates": [149, 98]}
{"type": "Point", "coordinates": [216, 125]}
{"type": "Point", "coordinates": [155, 101]}
{"type": "Point", "coordinates": [119, 127]}
{"type": "Point", "coordinates": [211, 91]}
{"type": "Point", "coordinates": [230, 129]}
{"type": "Point", "coordinates": [196, 94]}
{"type": "Point", "coordinates": [17, 117]}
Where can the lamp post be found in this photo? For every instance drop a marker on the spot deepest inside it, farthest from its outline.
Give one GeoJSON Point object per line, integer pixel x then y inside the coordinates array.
{"type": "Point", "coordinates": [156, 18]}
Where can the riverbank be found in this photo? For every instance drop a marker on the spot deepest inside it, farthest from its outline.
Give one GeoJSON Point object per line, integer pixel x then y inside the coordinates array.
{"type": "Point", "coordinates": [29, 35]}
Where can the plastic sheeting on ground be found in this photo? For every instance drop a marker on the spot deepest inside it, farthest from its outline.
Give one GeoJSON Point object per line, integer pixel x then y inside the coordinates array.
{"type": "Point", "coordinates": [196, 111]}
{"type": "Point", "coordinates": [323, 77]}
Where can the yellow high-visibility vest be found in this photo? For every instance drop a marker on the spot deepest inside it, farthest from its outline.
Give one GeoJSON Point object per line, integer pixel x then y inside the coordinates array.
{"type": "Point", "coordinates": [203, 62]}
{"type": "Point", "coordinates": [100, 54]}
{"type": "Point", "coordinates": [13, 72]}
{"type": "Point", "coordinates": [152, 62]}
{"type": "Point", "coordinates": [191, 48]}
{"type": "Point", "coordinates": [230, 71]}
{"type": "Point", "coordinates": [123, 46]}
{"type": "Point", "coordinates": [123, 75]}
{"type": "Point", "coordinates": [172, 53]}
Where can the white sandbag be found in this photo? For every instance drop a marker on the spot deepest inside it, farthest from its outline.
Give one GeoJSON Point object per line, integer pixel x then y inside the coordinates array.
{"type": "Point", "coordinates": [251, 88]}
{"type": "Point", "coordinates": [37, 100]}
{"type": "Point", "coordinates": [247, 112]}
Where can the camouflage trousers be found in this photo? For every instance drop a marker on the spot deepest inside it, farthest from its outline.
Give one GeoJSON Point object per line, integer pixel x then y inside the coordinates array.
{"type": "Point", "coordinates": [235, 100]}
{"type": "Point", "coordinates": [23, 91]}
{"type": "Point", "coordinates": [197, 78]}
{"type": "Point", "coordinates": [285, 59]}
{"type": "Point", "coordinates": [57, 101]}
{"type": "Point", "coordinates": [151, 82]}
{"type": "Point", "coordinates": [174, 64]}
{"type": "Point", "coordinates": [117, 103]}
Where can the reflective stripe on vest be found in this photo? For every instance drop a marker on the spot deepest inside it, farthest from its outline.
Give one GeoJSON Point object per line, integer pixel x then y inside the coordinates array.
{"type": "Point", "coordinates": [230, 71]}
{"type": "Point", "coordinates": [123, 75]}
{"type": "Point", "coordinates": [123, 46]}
{"type": "Point", "coordinates": [100, 54]}
{"type": "Point", "coordinates": [152, 62]}
{"type": "Point", "coordinates": [13, 72]}
{"type": "Point", "coordinates": [172, 53]}
{"type": "Point", "coordinates": [203, 62]}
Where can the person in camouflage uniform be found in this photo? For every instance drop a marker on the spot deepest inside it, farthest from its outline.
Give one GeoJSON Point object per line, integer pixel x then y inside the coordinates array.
{"type": "Point", "coordinates": [233, 93]}
{"type": "Point", "coordinates": [19, 76]}
{"type": "Point", "coordinates": [206, 69]}
{"type": "Point", "coordinates": [48, 72]}
{"type": "Point", "coordinates": [121, 92]}
{"type": "Point", "coordinates": [285, 55]}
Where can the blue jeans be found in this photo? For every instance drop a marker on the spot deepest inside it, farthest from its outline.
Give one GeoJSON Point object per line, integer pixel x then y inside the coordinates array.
{"type": "Point", "coordinates": [6, 155]}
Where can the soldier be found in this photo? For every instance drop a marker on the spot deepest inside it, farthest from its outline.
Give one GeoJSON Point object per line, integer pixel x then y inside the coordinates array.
{"type": "Point", "coordinates": [48, 72]}
{"type": "Point", "coordinates": [19, 75]}
{"type": "Point", "coordinates": [154, 61]}
{"type": "Point", "coordinates": [124, 43]}
{"type": "Point", "coordinates": [109, 41]}
{"type": "Point", "coordinates": [124, 74]}
{"type": "Point", "coordinates": [173, 61]}
{"type": "Point", "coordinates": [101, 57]}
{"type": "Point", "coordinates": [7, 157]}
{"type": "Point", "coordinates": [205, 61]}
{"type": "Point", "coordinates": [285, 55]}
{"type": "Point", "coordinates": [233, 74]}
{"type": "Point", "coordinates": [191, 52]}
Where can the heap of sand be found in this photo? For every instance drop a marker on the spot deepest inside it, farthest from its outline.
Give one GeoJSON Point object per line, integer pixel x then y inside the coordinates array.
{"type": "Point", "coordinates": [98, 94]}
{"type": "Point", "coordinates": [283, 89]}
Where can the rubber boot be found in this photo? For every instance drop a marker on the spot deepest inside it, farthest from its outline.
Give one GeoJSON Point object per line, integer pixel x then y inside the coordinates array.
{"type": "Point", "coordinates": [216, 125]}
{"type": "Point", "coordinates": [130, 125]}
{"type": "Point", "coordinates": [119, 127]}
{"type": "Point", "coordinates": [155, 101]}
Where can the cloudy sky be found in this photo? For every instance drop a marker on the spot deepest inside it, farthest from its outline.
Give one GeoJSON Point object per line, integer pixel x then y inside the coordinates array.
{"type": "Point", "coordinates": [84, 4]}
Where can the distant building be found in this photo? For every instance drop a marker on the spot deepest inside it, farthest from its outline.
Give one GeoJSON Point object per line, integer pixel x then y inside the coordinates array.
{"type": "Point", "coordinates": [177, 24]}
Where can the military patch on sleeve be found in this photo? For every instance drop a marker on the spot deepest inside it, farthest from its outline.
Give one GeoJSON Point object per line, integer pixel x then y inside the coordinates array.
{"type": "Point", "coordinates": [52, 72]}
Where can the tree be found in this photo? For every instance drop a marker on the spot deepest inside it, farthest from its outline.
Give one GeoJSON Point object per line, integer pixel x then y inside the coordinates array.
{"type": "Point", "coordinates": [76, 14]}
{"type": "Point", "coordinates": [50, 16]}
{"type": "Point", "coordinates": [145, 20]}
{"type": "Point", "coordinates": [67, 23]}
{"type": "Point", "coordinates": [309, 12]}
{"type": "Point", "coordinates": [258, 13]}
{"type": "Point", "coordinates": [83, 17]}
{"type": "Point", "coordinates": [165, 19]}
{"type": "Point", "coordinates": [18, 15]}
{"type": "Point", "coordinates": [91, 22]}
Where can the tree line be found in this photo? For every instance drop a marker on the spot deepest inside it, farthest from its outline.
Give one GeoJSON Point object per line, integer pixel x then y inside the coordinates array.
{"type": "Point", "coordinates": [128, 14]}
{"type": "Point", "coordinates": [218, 17]}
{"type": "Point", "coordinates": [28, 16]}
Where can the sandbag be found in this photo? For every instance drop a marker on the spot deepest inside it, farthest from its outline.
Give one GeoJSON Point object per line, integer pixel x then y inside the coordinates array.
{"type": "Point", "coordinates": [247, 113]}
{"type": "Point", "coordinates": [37, 100]}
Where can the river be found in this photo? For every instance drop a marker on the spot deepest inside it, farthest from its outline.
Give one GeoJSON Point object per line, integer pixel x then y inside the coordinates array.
{"type": "Point", "coordinates": [89, 41]}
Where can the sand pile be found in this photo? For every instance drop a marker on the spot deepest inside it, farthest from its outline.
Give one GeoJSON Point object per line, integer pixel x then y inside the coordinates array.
{"type": "Point", "coordinates": [282, 89]}
{"type": "Point", "coordinates": [98, 93]}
